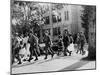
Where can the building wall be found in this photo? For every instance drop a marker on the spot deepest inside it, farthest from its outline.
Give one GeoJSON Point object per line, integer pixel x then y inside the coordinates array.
{"type": "Point", "coordinates": [76, 12]}
{"type": "Point", "coordinates": [72, 23]}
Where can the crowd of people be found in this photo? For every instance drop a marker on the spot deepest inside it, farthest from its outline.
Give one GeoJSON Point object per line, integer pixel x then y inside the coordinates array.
{"type": "Point", "coordinates": [25, 46]}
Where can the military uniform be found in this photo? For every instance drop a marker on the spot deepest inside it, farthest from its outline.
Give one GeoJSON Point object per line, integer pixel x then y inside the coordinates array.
{"type": "Point", "coordinates": [48, 48]}
{"type": "Point", "coordinates": [78, 43]}
{"type": "Point", "coordinates": [33, 47]}
{"type": "Point", "coordinates": [82, 42]}
{"type": "Point", "coordinates": [66, 43]}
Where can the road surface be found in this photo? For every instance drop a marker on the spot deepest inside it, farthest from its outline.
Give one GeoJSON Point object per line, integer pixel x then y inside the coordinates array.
{"type": "Point", "coordinates": [58, 63]}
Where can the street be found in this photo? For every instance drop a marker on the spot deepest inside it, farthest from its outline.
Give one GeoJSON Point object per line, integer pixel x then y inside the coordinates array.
{"type": "Point", "coordinates": [58, 63]}
{"type": "Point", "coordinates": [39, 29]}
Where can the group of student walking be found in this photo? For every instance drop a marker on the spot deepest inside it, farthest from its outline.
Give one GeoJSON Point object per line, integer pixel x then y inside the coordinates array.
{"type": "Point", "coordinates": [28, 45]}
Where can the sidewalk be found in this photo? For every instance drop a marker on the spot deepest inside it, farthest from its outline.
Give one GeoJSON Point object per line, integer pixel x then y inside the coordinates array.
{"type": "Point", "coordinates": [55, 64]}
{"type": "Point", "coordinates": [90, 65]}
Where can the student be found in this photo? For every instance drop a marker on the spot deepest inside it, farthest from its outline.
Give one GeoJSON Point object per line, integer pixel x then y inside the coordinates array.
{"type": "Point", "coordinates": [78, 42]}
{"type": "Point", "coordinates": [48, 43]}
{"type": "Point", "coordinates": [33, 47]}
{"type": "Point", "coordinates": [82, 41]}
{"type": "Point", "coordinates": [66, 41]}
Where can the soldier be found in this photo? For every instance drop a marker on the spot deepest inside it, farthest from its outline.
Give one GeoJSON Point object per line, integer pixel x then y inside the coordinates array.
{"type": "Point", "coordinates": [82, 42]}
{"type": "Point", "coordinates": [37, 42]}
{"type": "Point", "coordinates": [66, 41]}
{"type": "Point", "coordinates": [33, 46]}
{"type": "Point", "coordinates": [78, 42]}
{"type": "Point", "coordinates": [48, 43]}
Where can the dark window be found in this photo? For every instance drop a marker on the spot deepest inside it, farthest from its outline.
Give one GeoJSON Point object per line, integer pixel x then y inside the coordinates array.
{"type": "Point", "coordinates": [67, 15]}
{"type": "Point", "coordinates": [47, 21]}
{"type": "Point", "coordinates": [59, 19]}
{"type": "Point", "coordinates": [56, 31]}
{"type": "Point", "coordinates": [54, 19]}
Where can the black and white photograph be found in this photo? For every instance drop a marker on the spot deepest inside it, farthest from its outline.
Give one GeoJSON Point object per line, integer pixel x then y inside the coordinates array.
{"type": "Point", "coordinates": [52, 37]}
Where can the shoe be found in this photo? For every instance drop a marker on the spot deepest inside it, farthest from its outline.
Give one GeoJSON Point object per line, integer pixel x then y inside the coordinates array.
{"type": "Point", "coordinates": [70, 53]}
{"type": "Point", "coordinates": [19, 63]}
{"type": "Point", "coordinates": [36, 59]}
{"type": "Point", "coordinates": [45, 57]}
{"type": "Point", "coordinates": [24, 60]}
{"type": "Point", "coordinates": [83, 53]}
{"type": "Point", "coordinates": [30, 59]}
{"type": "Point", "coordinates": [65, 54]}
{"type": "Point", "coordinates": [52, 55]}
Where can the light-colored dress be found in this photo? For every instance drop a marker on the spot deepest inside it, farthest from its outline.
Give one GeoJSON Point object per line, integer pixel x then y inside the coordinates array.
{"type": "Point", "coordinates": [71, 47]}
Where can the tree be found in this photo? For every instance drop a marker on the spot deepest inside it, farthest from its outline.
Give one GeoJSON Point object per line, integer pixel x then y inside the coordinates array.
{"type": "Point", "coordinates": [27, 15]}
{"type": "Point", "coordinates": [87, 17]}
{"type": "Point", "coordinates": [89, 21]}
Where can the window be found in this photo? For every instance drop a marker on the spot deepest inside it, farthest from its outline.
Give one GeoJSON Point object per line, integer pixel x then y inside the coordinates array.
{"type": "Point", "coordinates": [57, 18]}
{"type": "Point", "coordinates": [47, 21]}
{"type": "Point", "coordinates": [66, 15]}
{"type": "Point", "coordinates": [56, 31]}
{"type": "Point", "coordinates": [54, 19]}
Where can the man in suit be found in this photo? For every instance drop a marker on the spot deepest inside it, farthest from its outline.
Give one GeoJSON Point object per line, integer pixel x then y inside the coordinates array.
{"type": "Point", "coordinates": [48, 43]}
{"type": "Point", "coordinates": [82, 42]}
{"type": "Point", "coordinates": [33, 47]}
{"type": "Point", "coordinates": [66, 41]}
